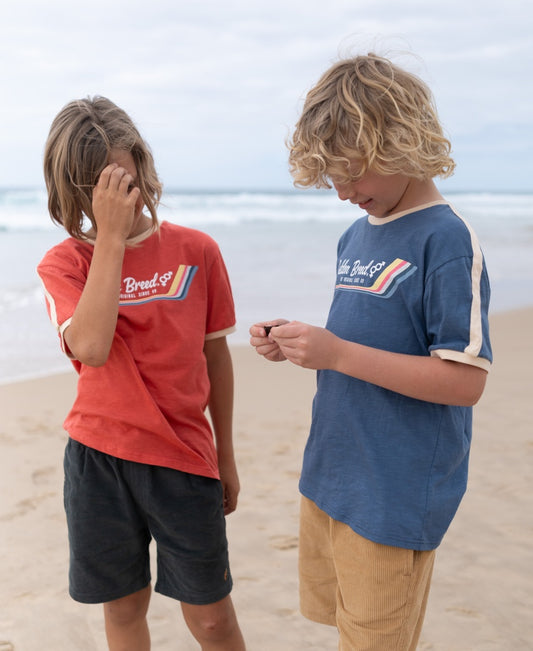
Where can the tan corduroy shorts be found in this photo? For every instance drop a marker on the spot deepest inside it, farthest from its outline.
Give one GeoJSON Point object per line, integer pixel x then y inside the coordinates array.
{"type": "Point", "coordinates": [374, 594]}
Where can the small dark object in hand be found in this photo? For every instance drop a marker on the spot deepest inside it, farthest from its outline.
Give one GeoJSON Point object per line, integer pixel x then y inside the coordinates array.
{"type": "Point", "coordinates": [268, 329]}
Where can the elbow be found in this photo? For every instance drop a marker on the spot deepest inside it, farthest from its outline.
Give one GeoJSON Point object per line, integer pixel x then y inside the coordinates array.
{"type": "Point", "coordinates": [472, 395]}
{"type": "Point", "coordinates": [90, 352]}
{"type": "Point", "coordinates": [468, 401]}
{"type": "Point", "coordinates": [474, 399]}
{"type": "Point", "coordinates": [465, 398]}
{"type": "Point", "coordinates": [94, 362]}
{"type": "Point", "coordinates": [91, 355]}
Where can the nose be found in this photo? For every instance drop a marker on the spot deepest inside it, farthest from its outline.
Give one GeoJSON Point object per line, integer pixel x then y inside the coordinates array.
{"type": "Point", "coordinates": [344, 190]}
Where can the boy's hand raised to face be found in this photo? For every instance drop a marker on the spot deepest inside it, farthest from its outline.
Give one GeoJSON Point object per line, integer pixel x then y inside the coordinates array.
{"type": "Point", "coordinates": [114, 201]}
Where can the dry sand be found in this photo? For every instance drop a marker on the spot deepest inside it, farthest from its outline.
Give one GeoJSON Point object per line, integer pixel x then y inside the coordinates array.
{"type": "Point", "coordinates": [481, 598]}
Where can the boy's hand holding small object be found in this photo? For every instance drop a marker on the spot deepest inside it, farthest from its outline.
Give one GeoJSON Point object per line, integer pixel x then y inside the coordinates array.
{"type": "Point", "coordinates": [263, 344]}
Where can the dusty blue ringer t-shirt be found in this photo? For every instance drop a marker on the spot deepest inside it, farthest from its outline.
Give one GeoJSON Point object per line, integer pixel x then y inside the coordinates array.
{"type": "Point", "coordinates": [394, 468]}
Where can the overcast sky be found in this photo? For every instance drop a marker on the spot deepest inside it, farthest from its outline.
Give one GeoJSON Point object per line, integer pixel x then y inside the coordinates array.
{"type": "Point", "coordinates": [215, 87]}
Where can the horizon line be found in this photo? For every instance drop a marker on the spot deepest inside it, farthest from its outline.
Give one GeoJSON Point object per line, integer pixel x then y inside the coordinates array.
{"type": "Point", "coordinates": [269, 190]}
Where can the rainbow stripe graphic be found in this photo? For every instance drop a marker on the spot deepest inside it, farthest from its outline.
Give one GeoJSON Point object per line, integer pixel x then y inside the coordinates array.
{"type": "Point", "coordinates": [176, 292]}
{"type": "Point", "coordinates": [387, 281]}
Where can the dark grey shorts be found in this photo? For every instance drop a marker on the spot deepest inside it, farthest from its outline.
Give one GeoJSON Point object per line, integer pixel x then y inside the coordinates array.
{"type": "Point", "coordinates": [115, 507]}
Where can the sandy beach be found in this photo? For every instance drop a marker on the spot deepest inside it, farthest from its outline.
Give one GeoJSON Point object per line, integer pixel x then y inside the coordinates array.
{"type": "Point", "coordinates": [482, 594]}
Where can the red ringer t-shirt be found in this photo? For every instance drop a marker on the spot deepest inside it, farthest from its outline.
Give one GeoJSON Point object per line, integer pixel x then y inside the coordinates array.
{"type": "Point", "coordinates": [147, 402]}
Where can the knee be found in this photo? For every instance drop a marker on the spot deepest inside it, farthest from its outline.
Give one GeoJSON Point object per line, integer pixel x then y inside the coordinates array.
{"type": "Point", "coordinates": [211, 623]}
{"type": "Point", "coordinates": [213, 628]}
{"type": "Point", "coordinates": [129, 609]}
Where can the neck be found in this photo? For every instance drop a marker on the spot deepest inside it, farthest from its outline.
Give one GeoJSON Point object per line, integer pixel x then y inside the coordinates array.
{"type": "Point", "coordinates": [418, 193]}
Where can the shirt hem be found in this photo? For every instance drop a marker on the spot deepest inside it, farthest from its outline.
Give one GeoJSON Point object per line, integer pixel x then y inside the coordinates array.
{"type": "Point", "coordinates": [391, 541]}
{"type": "Point", "coordinates": [463, 358]}
{"type": "Point", "coordinates": [220, 333]}
{"type": "Point", "coordinates": [153, 460]}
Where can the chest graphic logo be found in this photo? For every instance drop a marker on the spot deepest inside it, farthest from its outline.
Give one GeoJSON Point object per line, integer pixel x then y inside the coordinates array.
{"type": "Point", "coordinates": [377, 278]}
{"type": "Point", "coordinates": [171, 285]}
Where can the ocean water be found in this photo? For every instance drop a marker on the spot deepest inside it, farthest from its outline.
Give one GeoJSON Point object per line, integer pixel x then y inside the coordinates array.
{"type": "Point", "coordinates": [279, 249]}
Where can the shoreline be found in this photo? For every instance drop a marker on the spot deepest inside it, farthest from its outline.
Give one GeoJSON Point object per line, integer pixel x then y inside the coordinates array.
{"type": "Point", "coordinates": [481, 594]}
{"type": "Point", "coordinates": [238, 345]}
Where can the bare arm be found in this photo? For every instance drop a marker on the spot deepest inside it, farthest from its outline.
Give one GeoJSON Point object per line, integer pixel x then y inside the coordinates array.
{"type": "Point", "coordinates": [424, 378]}
{"type": "Point", "coordinates": [90, 333]}
{"type": "Point", "coordinates": [220, 370]}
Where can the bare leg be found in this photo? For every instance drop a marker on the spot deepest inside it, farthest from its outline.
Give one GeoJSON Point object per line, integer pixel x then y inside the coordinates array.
{"type": "Point", "coordinates": [125, 622]}
{"type": "Point", "coordinates": [214, 626]}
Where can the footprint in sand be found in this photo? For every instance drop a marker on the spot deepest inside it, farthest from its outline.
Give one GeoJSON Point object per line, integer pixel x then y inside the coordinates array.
{"type": "Point", "coordinates": [42, 476]}
{"type": "Point", "coordinates": [23, 507]}
{"type": "Point", "coordinates": [467, 612]}
{"type": "Point", "coordinates": [282, 612]}
{"type": "Point", "coordinates": [283, 542]}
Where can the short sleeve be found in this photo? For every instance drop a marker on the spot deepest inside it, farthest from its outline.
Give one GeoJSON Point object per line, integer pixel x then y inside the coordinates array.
{"type": "Point", "coordinates": [456, 305]}
{"type": "Point", "coordinates": [221, 307]}
{"type": "Point", "coordinates": [63, 275]}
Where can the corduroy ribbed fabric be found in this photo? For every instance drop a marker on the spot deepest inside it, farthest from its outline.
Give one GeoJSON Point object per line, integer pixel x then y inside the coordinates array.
{"type": "Point", "coordinates": [374, 594]}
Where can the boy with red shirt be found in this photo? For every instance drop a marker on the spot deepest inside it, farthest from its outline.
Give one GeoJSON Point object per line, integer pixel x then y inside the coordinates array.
{"type": "Point", "coordinates": [143, 310]}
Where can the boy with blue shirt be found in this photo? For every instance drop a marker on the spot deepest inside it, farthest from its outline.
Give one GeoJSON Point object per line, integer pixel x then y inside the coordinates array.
{"type": "Point", "coordinates": [402, 359]}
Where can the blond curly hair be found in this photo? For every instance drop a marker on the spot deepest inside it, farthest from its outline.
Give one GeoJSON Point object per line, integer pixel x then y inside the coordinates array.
{"type": "Point", "coordinates": [81, 138]}
{"type": "Point", "coordinates": [368, 111]}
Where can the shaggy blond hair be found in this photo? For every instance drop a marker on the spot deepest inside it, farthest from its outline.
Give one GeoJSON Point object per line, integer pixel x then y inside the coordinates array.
{"type": "Point", "coordinates": [368, 112]}
{"type": "Point", "coordinates": [77, 150]}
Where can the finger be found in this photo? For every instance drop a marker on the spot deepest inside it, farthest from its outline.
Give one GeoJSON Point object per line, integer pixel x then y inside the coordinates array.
{"type": "Point", "coordinates": [268, 328]}
{"type": "Point", "coordinates": [229, 507]}
{"type": "Point", "coordinates": [275, 356]}
{"type": "Point", "coordinates": [290, 330]}
{"type": "Point", "coordinates": [279, 335]}
{"type": "Point", "coordinates": [259, 329]}
{"type": "Point", "coordinates": [120, 179]}
{"type": "Point", "coordinates": [259, 340]}
{"type": "Point", "coordinates": [230, 502]}
{"type": "Point", "coordinates": [126, 182]}
{"type": "Point", "coordinates": [265, 346]}
{"type": "Point", "coordinates": [135, 192]}
{"type": "Point", "coordinates": [105, 175]}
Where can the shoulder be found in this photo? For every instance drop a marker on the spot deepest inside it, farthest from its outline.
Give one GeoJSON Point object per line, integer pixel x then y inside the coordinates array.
{"type": "Point", "coordinates": [456, 233]}
{"type": "Point", "coordinates": [443, 218]}
{"type": "Point", "coordinates": [444, 231]}
{"type": "Point", "coordinates": [176, 240]}
{"type": "Point", "coordinates": [186, 235]}
{"type": "Point", "coordinates": [66, 253]}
